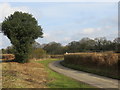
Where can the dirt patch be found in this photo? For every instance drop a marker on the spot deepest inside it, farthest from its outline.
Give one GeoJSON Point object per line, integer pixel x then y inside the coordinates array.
{"type": "Point", "coordinates": [28, 75]}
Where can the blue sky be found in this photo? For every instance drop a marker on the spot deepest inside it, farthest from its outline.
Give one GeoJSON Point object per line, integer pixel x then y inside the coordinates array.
{"type": "Point", "coordinates": [67, 21]}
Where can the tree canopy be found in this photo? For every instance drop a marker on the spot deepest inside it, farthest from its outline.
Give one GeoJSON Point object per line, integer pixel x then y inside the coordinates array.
{"type": "Point", "coordinates": [22, 29]}
{"type": "Point", "coordinates": [86, 44]}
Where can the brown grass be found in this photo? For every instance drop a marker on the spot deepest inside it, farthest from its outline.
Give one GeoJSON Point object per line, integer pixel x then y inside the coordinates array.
{"type": "Point", "coordinates": [28, 75]}
{"type": "Point", "coordinates": [56, 56]}
{"type": "Point", "coordinates": [97, 59]}
{"type": "Point", "coordinates": [100, 63]}
{"type": "Point", "coordinates": [7, 56]}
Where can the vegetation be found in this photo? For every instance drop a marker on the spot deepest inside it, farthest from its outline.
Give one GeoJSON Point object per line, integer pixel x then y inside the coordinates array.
{"type": "Point", "coordinates": [54, 48]}
{"type": "Point", "coordinates": [84, 45]}
{"type": "Point", "coordinates": [7, 56]}
{"type": "Point", "coordinates": [22, 29]}
{"type": "Point", "coordinates": [8, 50]}
{"type": "Point", "coordinates": [37, 53]}
{"type": "Point", "coordinates": [27, 75]}
{"type": "Point", "coordinates": [36, 75]}
{"type": "Point", "coordinates": [57, 56]}
{"type": "Point", "coordinates": [61, 81]}
{"type": "Point", "coordinates": [105, 64]}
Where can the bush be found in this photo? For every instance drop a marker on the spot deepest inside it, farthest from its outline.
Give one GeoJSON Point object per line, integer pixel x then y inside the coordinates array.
{"type": "Point", "coordinates": [96, 59]}
{"type": "Point", "coordinates": [105, 63]}
{"type": "Point", "coordinates": [38, 53]}
{"type": "Point", "coordinates": [57, 56]}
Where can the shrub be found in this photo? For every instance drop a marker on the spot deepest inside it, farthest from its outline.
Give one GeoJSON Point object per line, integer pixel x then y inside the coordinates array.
{"type": "Point", "coordinates": [96, 59]}
{"type": "Point", "coordinates": [105, 63]}
{"type": "Point", "coordinates": [38, 53]}
{"type": "Point", "coordinates": [57, 56]}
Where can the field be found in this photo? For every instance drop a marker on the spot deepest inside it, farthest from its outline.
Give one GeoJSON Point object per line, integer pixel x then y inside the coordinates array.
{"type": "Point", "coordinates": [36, 74]}
{"type": "Point", "coordinates": [28, 75]}
{"type": "Point", "coordinates": [105, 64]}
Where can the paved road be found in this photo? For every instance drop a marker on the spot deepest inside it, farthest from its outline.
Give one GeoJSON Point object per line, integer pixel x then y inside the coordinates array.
{"type": "Point", "coordinates": [92, 79]}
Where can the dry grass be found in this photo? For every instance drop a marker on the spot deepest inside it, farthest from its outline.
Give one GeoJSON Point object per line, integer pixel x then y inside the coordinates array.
{"type": "Point", "coordinates": [97, 59]}
{"type": "Point", "coordinates": [7, 56]}
{"type": "Point", "coordinates": [28, 75]}
{"type": "Point", "coordinates": [100, 63]}
{"type": "Point", "coordinates": [57, 56]}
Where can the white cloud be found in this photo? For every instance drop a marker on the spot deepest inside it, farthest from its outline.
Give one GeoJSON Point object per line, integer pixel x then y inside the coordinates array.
{"type": "Point", "coordinates": [57, 36]}
{"type": "Point", "coordinates": [90, 30]}
{"type": "Point", "coordinates": [6, 9]}
{"type": "Point", "coordinates": [46, 35]}
{"type": "Point", "coordinates": [67, 38]}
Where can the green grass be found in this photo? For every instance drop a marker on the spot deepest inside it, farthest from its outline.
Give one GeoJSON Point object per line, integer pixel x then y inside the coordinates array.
{"type": "Point", "coordinates": [98, 71]}
{"type": "Point", "coordinates": [59, 80]}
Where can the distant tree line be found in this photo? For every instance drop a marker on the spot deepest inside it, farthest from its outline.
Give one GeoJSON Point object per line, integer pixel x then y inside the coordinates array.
{"type": "Point", "coordinates": [84, 45]}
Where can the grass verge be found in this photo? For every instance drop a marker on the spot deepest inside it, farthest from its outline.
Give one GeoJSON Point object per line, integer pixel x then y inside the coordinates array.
{"type": "Point", "coordinates": [98, 71]}
{"type": "Point", "coordinates": [60, 81]}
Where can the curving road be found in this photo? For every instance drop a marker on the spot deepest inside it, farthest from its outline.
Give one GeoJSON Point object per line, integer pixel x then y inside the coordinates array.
{"type": "Point", "coordinates": [92, 79]}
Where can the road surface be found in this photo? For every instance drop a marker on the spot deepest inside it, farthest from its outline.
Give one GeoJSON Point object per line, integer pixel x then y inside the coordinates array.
{"type": "Point", "coordinates": [92, 79]}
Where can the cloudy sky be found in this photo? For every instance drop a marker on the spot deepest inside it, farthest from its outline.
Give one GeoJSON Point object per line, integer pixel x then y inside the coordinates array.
{"type": "Point", "coordinates": [67, 21]}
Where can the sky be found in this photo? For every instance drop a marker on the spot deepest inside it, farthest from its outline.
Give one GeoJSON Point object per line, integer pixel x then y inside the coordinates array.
{"type": "Point", "coordinates": [64, 22]}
